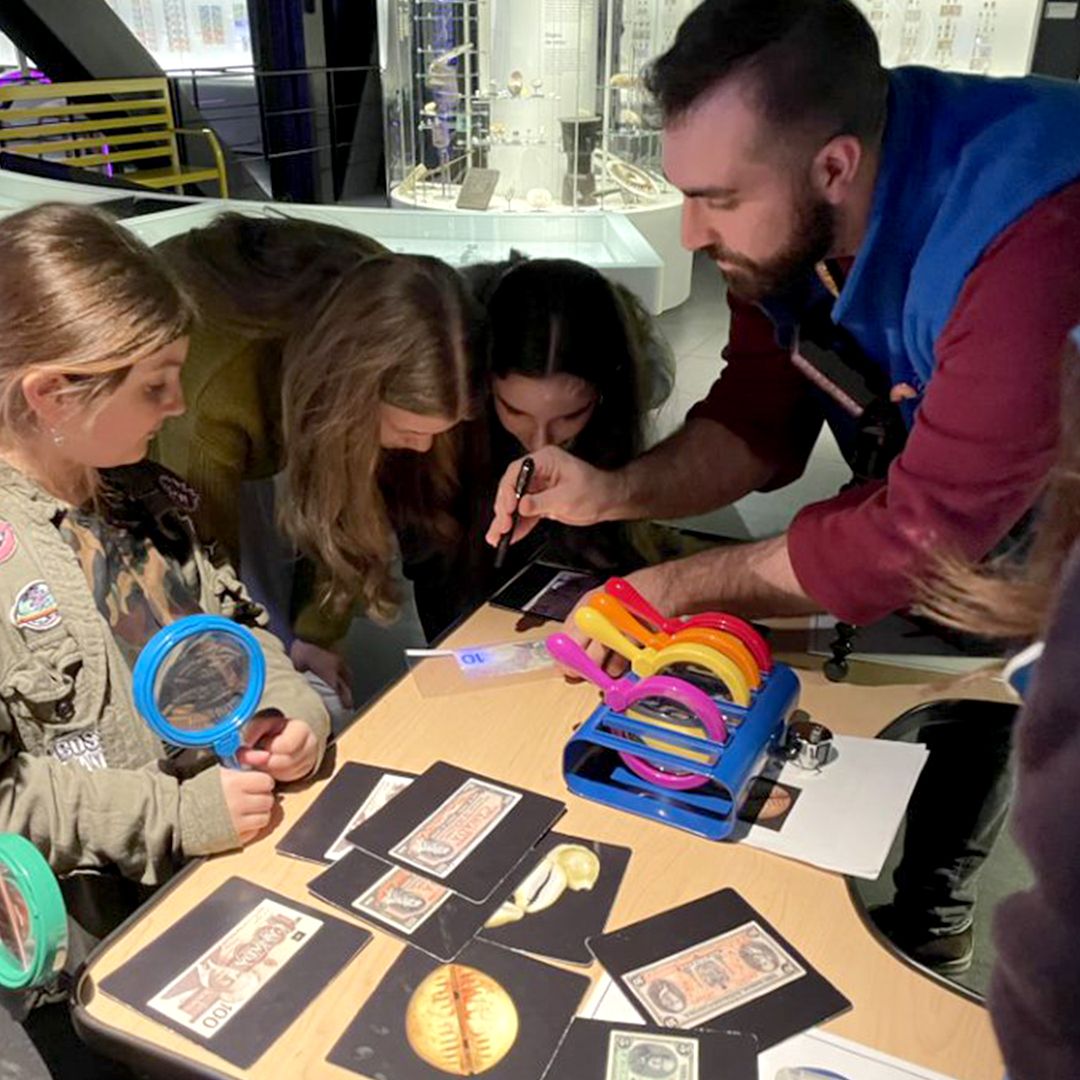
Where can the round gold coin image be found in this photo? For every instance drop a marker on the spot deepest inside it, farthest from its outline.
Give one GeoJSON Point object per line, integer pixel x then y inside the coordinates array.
{"type": "Point", "coordinates": [461, 1021]}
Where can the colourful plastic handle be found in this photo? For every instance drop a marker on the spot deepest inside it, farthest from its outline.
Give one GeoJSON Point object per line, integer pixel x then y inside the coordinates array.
{"type": "Point", "coordinates": [621, 695]}
{"type": "Point", "coordinates": [631, 599]}
{"type": "Point", "coordinates": [645, 661]}
{"type": "Point", "coordinates": [592, 622]}
{"type": "Point", "coordinates": [569, 653]}
{"type": "Point", "coordinates": [721, 640]}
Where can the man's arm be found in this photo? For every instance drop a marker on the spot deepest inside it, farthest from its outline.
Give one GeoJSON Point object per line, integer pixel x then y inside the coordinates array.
{"type": "Point", "coordinates": [983, 441]}
{"type": "Point", "coordinates": [755, 579]}
{"type": "Point", "coordinates": [984, 438]}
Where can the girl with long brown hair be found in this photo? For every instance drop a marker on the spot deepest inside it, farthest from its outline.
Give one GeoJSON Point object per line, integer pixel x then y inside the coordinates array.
{"type": "Point", "coordinates": [319, 358]}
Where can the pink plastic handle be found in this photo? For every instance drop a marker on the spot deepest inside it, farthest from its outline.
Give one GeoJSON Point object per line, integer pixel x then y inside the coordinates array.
{"type": "Point", "coordinates": [683, 693]}
{"type": "Point", "coordinates": [633, 601]}
{"type": "Point", "coordinates": [570, 654]}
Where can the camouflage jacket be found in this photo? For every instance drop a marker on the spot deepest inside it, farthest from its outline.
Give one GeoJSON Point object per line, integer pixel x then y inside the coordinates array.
{"type": "Point", "coordinates": [81, 775]}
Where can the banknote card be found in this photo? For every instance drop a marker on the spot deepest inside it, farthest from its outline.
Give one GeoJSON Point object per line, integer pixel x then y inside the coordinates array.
{"type": "Point", "coordinates": [235, 971]}
{"type": "Point", "coordinates": [492, 1013]}
{"type": "Point", "coordinates": [600, 1050]}
{"type": "Point", "coordinates": [563, 898]}
{"type": "Point", "coordinates": [421, 911]}
{"type": "Point", "coordinates": [546, 590]}
{"type": "Point", "coordinates": [348, 800]}
{"type": "Point", "coordinates": [718, 961]}
{"type": "Point", "coordinates": [465, 831]}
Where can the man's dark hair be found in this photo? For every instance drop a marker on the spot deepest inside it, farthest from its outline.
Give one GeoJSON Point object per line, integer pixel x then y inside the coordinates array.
{"type": "Point", "coordinates": [813, 63]}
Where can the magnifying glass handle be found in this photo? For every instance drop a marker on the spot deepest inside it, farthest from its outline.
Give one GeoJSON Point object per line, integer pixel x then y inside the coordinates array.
{"type": "Point", "coordinates": [227, 749]}
{"type": "Point", "coordinates": [570, 654]}
{"type": "Point", "coordinates": [597, 626]}
{"type": "Point", "coordinates": [633, 601]}
{"type": "Point", "coordinates": [617, 614]}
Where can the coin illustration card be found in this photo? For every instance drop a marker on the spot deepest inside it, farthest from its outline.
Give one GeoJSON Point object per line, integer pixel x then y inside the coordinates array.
{"type": "Point", "coordinates": [599, 1050]}
{"type": "Point", "coordinates": [768, 803]}
{"type": "Point", "coordinates": [417, 909]}
{"type": "Point", "coordinates": [562, 899]}
{"type": "Point", "coordinates": [716, 961]}
{"type": "Point", "coordinates": [492, 1012]}
{"type": "Point", "coordinates": [237, 970]}
{"type": "Point", "coordinates": [465, 831]}
{"type": "Point", "coordinates": [348, 800]}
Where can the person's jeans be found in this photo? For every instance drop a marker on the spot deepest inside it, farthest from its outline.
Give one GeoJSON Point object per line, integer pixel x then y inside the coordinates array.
{"type": "Point", "coordinates": [956, 814]}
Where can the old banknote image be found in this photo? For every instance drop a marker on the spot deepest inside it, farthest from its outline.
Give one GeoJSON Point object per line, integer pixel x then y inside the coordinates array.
{"type": "Point", "coordinates": [401, 899]}
{"type": "Point", "coordinates": [387, 787]}
{"type": "Point", "coordinates": [212, 990]}
{"type": "Point", "coordinates": [713, 977]}
{"type": "Point", "coordinates": [443, 840]}
{"type": "Point", "coordinates": [640, 1056]}
{"type": "Point", "coordinates": [496, 661]}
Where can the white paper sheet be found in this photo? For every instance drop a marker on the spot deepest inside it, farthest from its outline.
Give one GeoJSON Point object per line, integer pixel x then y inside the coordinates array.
{"type": "Point", "coordinates": [846, 816]}
{"type": "Point", "coordinates": [836, 1058]}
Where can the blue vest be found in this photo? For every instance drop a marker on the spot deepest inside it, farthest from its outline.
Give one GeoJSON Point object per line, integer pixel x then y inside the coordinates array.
{"type": "Point", "coordinates": [964, 157]}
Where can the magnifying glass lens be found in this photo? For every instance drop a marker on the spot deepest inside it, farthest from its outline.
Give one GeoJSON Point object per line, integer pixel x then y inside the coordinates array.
{"type": "Point", "coordinates": [201, 680]}
{"type": "Point", "coordinates": [670, 713]}
{"type": "Point", "coordinates": [704, 680]}
{"type": "Point", "coordinates": [16, 933]}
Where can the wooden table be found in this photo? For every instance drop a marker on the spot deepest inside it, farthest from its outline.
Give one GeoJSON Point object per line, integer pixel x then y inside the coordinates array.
{"type": "Point", "coordinates": [517, 734]}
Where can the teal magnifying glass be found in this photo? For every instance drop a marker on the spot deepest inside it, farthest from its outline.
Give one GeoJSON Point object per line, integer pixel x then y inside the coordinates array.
{"type": "Point", "coordinates": [33, 920]}
{"type": "Point", "coordinates": [198, 681]}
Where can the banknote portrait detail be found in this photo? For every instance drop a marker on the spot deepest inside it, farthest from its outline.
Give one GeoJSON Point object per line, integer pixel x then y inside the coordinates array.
{"type": "Point", "coordinates": [637, 1056]}
{"type": "Point", "coordinates": [443, 840]}
{"type": "Point", "coordinates": [402, 900]}
{"type": "Point", "coordinates": [713, 977]}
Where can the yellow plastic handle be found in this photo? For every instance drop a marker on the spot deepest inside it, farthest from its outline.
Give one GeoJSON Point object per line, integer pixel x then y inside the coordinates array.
{"type": "Point", "coordinates": [598, 627]}
{"type": "Point", "coordinates": [690, 652]}
{"type": "Point", "coordinates": [728, 644]}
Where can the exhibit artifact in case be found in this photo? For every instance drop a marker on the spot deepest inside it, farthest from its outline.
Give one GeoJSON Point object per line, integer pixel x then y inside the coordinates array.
{"type": "Point", "coordinates": [544, 96]}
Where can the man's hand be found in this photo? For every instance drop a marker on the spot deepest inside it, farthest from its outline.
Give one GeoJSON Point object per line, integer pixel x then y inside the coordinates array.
{"type": "Point", "coordinates": [650, 582]}
{"type": "Point", "coordinates": [563, 488]}
{"type": "Point", "coordinates": [285, 749]}
{"type": "Point", "coordinates": [329, 665]}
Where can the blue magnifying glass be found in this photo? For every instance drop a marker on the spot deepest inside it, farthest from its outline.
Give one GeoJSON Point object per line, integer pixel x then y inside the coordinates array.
{"type": "Point", "coordinates": [198, 681]}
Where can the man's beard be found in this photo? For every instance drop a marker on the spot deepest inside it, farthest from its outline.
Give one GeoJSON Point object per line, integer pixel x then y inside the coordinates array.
{"type": "Point", "coordinates": [811, 241]}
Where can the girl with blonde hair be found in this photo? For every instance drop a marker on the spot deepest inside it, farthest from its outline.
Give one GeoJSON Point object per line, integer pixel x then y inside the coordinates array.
{"type": "Point", "coordinates": [322, 360]}
{"type": "Point", "coordinates": [97, 554]}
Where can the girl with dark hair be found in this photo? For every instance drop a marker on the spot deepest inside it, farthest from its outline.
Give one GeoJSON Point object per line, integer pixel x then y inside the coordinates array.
{"type": "Point", "coordinates": [574, 361]}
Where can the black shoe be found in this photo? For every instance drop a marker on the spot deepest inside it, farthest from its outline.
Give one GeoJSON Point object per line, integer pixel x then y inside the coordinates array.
{"type": "Point", "coordinates": [943, 954]}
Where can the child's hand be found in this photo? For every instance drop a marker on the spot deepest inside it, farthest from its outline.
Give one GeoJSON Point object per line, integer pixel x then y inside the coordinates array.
{"type": "Point", "coordinates": [286, 749]}
{"type": "Point", "coordinates": [249, 797]}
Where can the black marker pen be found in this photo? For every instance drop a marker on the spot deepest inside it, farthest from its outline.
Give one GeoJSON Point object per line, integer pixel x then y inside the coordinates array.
{"type": "Point", "coordinates": [521, 485]}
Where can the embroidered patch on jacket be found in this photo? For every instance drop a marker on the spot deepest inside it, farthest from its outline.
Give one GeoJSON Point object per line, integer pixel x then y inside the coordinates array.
{"type": "Point", "coordinates": [180, 491]}
{"type": "Point", "coordinates": [80, 748]}
{"type": "Point", "coordinates": [35, 608]}
{"type": "Point", "coordinates": [8, 541]}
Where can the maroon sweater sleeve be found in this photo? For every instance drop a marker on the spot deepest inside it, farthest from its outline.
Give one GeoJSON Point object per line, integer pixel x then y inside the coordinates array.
{"type": "Point", "coordinates": [762, 397]}
{"type": "Point", "coordinates": [984, 437]}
